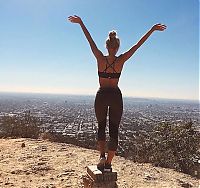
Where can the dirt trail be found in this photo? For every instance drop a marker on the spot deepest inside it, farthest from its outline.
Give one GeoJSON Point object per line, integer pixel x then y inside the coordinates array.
{"type": "Point", "coordinates": [45, 164]}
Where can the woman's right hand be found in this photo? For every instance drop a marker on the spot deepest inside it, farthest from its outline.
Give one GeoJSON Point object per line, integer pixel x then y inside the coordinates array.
{"type": "Point", "coordinates": [159, 27]}
{"type": "Point", "coordinates": [75, 19]}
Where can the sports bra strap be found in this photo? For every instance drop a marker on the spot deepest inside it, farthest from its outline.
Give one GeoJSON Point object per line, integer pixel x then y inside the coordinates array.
{"type": "Point", "coordinates": [108, 65]}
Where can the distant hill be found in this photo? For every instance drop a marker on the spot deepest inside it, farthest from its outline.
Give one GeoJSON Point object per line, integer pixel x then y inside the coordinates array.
{"type": "Point", "coordinates": [36, 163]}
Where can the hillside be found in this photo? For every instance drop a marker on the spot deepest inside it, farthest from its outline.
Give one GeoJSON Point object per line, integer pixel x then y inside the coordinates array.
{"type": "Point", "coordinates": [45, 164]}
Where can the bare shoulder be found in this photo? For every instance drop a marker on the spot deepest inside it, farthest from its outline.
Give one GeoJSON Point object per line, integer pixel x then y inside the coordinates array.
{"type": "Point", "coordinates": [100, 56]}
{"type": "Point", "coordinates": [120, 59]}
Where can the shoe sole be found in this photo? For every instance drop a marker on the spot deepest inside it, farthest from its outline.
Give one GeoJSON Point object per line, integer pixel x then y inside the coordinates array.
{"type": "Point", "coordinates": [107, 170]}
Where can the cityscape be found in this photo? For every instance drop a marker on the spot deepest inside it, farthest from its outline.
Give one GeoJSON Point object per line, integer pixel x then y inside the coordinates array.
{"type": "Point", "coordinates": [73, 116]}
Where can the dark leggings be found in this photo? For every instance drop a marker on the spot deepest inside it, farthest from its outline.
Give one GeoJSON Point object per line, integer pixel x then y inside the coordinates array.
{"type": "Point", "coordinates": [109, 98]}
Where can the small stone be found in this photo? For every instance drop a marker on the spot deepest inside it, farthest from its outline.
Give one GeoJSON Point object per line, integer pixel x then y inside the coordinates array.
{"type": "Point", "coordinates": [23, 145]}
{"type": "Point", "coordinates": [27, 173]}
{"type": "Point", "coordinates": [185, 184]}
{"type": "Point", "coordinates": [13, 172]}
{"type": "Point", "coordinates": [41, 163]}
{"type": "Point", "coordinates": [149, 177]}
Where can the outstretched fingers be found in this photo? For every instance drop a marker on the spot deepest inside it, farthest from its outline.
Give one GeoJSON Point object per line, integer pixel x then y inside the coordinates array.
{"type": "Point", "coordinates": [160, 27]}
{"type": "Point", "coordinates": [71, 18]}
{"type": "Point", "coordinates": [163, 27]}
{"type": "Point", "coordinates": [74, 19]}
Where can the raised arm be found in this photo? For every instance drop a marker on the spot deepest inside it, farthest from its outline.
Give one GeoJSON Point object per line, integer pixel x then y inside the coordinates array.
{"type": "Point", "coordinates": [131, 51]}
{"type": "Point", "coordinates": [75, 19]}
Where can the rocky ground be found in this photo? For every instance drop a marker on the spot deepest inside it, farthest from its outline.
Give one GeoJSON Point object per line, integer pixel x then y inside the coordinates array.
{"type": "Point", "coordinates": [45, 164]}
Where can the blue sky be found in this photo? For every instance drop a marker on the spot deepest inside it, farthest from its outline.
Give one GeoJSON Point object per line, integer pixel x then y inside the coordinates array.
{"type": "Point", "coordinates": [40, 51]}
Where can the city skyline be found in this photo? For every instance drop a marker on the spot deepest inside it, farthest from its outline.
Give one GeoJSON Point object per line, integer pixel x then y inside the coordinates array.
{"type": "Point", "coordinates": [42, 52]}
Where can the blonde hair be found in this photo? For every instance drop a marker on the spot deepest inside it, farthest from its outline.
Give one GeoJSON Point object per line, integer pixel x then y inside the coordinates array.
{"type": "Point", "coordinates": [112, 41]}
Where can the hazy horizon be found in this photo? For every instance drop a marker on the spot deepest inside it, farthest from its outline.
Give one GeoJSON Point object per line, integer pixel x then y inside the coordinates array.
{"type": "Point", "coordinates": [93, 95]}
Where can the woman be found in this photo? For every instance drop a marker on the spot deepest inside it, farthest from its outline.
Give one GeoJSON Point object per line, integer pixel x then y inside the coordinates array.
{"type": "Point", "coordinates": [109, 97]}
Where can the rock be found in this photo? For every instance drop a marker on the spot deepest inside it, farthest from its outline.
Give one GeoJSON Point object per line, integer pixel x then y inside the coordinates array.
{"type": "Point", "coordinates": [149, 177]}
{"type": "Point", "coordinates": [17, 171]}
{"type": "Point", "coordinates": [184, 184]}
{"type": "Point", "coordinates": [23, 145]}
{"type": "Point", "coordinates": [95, 178]}
{"type": "Point", "coordinates": [27, 173]}
{"type": "Point", "coordinates": [41, 163]}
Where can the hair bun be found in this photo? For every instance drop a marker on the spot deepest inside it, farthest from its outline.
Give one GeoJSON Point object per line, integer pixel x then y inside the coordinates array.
{"type": "Point", "coordinates": [112, 41]}
{"type": "Point", "coordinates": [112, 34]}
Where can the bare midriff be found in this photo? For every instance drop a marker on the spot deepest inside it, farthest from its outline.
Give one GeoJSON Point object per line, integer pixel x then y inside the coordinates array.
{"type": "Point", "coordinates": [108, 82]}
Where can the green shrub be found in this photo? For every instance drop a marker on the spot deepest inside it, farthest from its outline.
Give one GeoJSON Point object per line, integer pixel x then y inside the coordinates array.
{"type": "Point", "coordinates": [174, 146]}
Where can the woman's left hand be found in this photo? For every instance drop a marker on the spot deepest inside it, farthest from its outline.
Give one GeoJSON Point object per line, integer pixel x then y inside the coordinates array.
{"type": "Point", "coordinates": [75, 19]}
{"type": "Point", "coordinates": [159, 27]}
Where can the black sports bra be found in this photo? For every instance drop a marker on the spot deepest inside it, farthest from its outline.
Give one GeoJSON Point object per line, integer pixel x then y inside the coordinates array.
{"type": "Point", "coordinates": [109, 75]}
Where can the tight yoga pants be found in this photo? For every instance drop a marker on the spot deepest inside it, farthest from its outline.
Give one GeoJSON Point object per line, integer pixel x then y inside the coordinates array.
{"type": "Point", "coordinates": [109, 100]}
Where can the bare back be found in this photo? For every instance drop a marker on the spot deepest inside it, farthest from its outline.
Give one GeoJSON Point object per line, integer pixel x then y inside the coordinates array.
{"type": "Point", "coordinates": [101, 64]}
